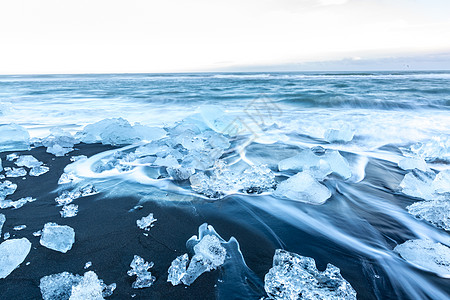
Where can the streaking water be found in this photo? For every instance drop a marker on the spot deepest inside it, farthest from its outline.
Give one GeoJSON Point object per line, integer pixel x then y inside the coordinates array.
{"type": "Point", "coordinates": [356, 229]}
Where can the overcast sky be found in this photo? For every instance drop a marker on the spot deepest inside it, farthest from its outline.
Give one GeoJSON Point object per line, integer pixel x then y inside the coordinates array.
{"type": "Point", "coordinates": [90, 36]}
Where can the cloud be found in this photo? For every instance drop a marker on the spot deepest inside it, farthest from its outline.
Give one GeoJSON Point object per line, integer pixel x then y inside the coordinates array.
{"type": "Point", "coordinates": [332, 2]}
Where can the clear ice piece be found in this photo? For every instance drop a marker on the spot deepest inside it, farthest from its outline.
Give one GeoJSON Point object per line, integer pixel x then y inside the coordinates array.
{"type": "Point", "coordinates": [57, 237]}
{"type": "Point", "coordinates": [437, 212]}
{"type": "Point", "coordinates": [177, 269]}
{"type": "Point", "coordinates": [12, 253]}
{"type": "Point", "coordinates": [39, 170]}
{"type": "Point", "coordinates": [304, 188]}
{"type": "Point", "coordinates": [139, 267]}
{"type": "Point", "coordinates": [146, 222]}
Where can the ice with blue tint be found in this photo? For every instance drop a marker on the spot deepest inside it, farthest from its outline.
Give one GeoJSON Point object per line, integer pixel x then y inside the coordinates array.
{"type": "Point", "coordinates": [411, 163]}
{"type": "Point", "coordinates": [437, 212]}
{"type": "Point", "coordinates": [303, 187]}
{"type": "Point", "coordinates": [28, 161]}
{"type": "Point", "coordinates": [69, 211]}
{"type": "Point", "coordinates": [15, 172]}
{"type": "Point", "coordinates": [427, 255]}
{"type": "Point", "coordinates": [140, 268]}
{"type": "Point", "coordinates": [293, 276]}
{"type": "Point", "coordinates": [340, 133]}
{"type": "Point", "coordinates": [39, 170]}
{"type": "Point", "coordinates": [59, 142]}
{"type": "Point", "coordinates": [435, 149]}
{"type": "Point", "coordinates": [178, 268]}
{"type": "Point", "coordinates": [13, 137]}
{"type": "Point", "coordinates": [15, 204]}
{"type": "Point", "coordinates": [57, 237]}
{"type": "Point", "coordinates": [7, 188]}
{"type": "Point", "coordinates": [2, 221]}
{"type": "Point", "coordinates": [146, 222]}
{"type": "Point", "coordinates": [12, 253]}
{"type": "Point", "coordinates": [426, 185]}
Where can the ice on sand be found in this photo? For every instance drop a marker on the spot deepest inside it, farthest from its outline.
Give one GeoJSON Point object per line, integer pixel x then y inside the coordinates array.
{"type": "Point", "coordinates": [304, 188]}
{"type": "Point", "coordinates": [15, 172]}
{"type": "Point", "coordinates": [296, 277]}
{"type": "Point", "coordinates": [12, 254]}
{"type": "Point", "coordinates": [428, 255]}
{"type": "Point", "coordinates": [27, 161]}
{"type": "Point", "coordinates": [13, 137]}
{"type": "Point", "coordinates": [39, 170]}
{"type": "Point", "coordinates": [67, 286]}
{"type": "Point", "coordinates": [69, 211]}
{"type": "Point", "coordinates": [139, 267]}
{"type": "Point", "coordinates": [59, 142]}
{"type": "Point", "coordinates": [318, 165]}
{"type": "Point", "coordinates": [209, 254]}
{"type": "Point", "coordinates": [7, 188]}
{"type": "Point", "coordinates": [2, 221]}
{"type": "Point", "coordinates": [146, 222]}
{"type": "Point", "coordinates": [57, 237]}
{"type": "Point", "coordinates": [411, 163]}
{"type": "Point", "coordinates": [15, 204]}
{"type": "Point", "coordinates": [437, 212]}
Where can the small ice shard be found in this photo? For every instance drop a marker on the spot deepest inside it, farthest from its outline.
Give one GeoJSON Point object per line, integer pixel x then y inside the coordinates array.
{"type": "Point", "coordinates": [66, 286]}
{"type": "Point", "coordinates": [6, 235]}
{"type": "Point", "coordinates": [27, 161]}
{"type": "Point", "coordinates": [2, 221]}
{"type": "Point", "coordinates": [15, 204]}
{"type": "Point", "coordinates": [15, 172]}
{"type": "Point", "coordinates": [57, 237]}
{"type": "Point", "coordinates": [303, 187]}
{"type": "Point", "coordinates": [435, 149]}
{"type": "Point", "coordinates": [146, 222]}
{"type": "Point", "coordinates": [13, 137]}
{"type": "Point", "coordinates": [12, 254]}
{"type": "Point", "coordinates": [7, 188]}
{"type": "Point", "coordinates": [343, 133]}
{"type": "Point", "coordinates": [257, 179]}
{"type": "Point", "coordinates": [296, 277]}
{"type": "Point", "coordinates": [441, 183]}
{"type": "Point", "coordinates": [177, 269]}
{"type": "Point", "coordinates": [88, 265]}
{"type": "Point", "coordinates": [78, 157]}
{"type": "Point", "coordinates": [437, 212]}
{"type": "Point", "coordinates": [411, 163]}
{"type": "Point", "coordinates": [427, 255]}
{"type": "Point", "coordinates": [19, 227]}
{"type": "Point", "coordinates": [59, 142]}
{"type": "Point", "coordinates": [12, 157]}
{"type": "Point", "coordinates": [67, 178]}
{"type": "Point", "coordinates": [69, 211]}
{"type": "Point", "coordinates": [37, 233]}
{"type": "Point", "coordinates": [39, 170]}
{"type": "Point", "coordinates": [180, 173]}
{"type": "Point", "coordinates": [139, 267]}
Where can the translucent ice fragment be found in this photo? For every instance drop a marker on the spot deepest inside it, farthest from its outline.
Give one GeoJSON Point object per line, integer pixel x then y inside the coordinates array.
{"type": "Point", "coordinates": [12, 254]}
{"type": "Point", "coordinates": [59, 142]}
{"type": "Point", "coordinates": [15, 172]}
{"type": "Point", "coordinates": [15, 204]}
{"type": "Point", "coordinates": [19, 227]}
{"type": "Point", "coordinates": [425, 254]}
{"type": "Point", "coordinates": [303, 187]}
{"type": "Point", "coordinates": [27, 161]}
{"type": "Point", "coordinates": [341, 133]}
{"type": "Point", "coordinates": [296, 277]}
{"type": "Point", "coordinates": [411, 163]}
{"type": "Point", "coordinates": [7, 188]}
{"type": "Point", "coordinates": [437, 212]}
{"type": "Point", "coordinates": [139, 267]}
{"type": "Point", "coordinates": [89, 287]}
{"type": "Point", "coordinates": [435, 149]}
{"type": "Point", "coordinates": [39, 170]}
{"type": "Point", "coordinates": [177, 269]}
{"type": "Point", "coordinates": [418, 184]}
{"type": "Point", "coordinates": [69, 211]}
{"type": "Point", "coordinates": [13, 137]}
{"type": "Point", "coordinates": [146, 222]}
{"type": "Point", "coordinates": [57, 237]}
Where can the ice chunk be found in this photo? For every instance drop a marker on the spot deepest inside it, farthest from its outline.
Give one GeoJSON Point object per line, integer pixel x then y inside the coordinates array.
{"type": "Point", "coordinates": [411, 163]}
{"type": "Point", "coordinates": [140, 268]}
{"type": "Point", "coordinates": [87, 265]}
{"type": "Point", "coordinates": [15, 172]}
{"type": "Point", "coordinates": [441, 184]}
{"type": "Point", "coordinates": [12, 157]}
{"type": "Point", "coordinates": [303, 187]}
{"type": "Point", "coordinates": [2, 221]}
{"type": "Point", "coordinates": [437, 148]}
{"type": "Point", "coordinates": [39, 170]}
{"type": "Point", "coordinates": [338, 164]}
{"type": "Point", "coordinates": [257, 179]}
{"type": "Point", "coordinates": [15, 204]}
{"type": "Point", "coordinates": [78, 157]}
{"type": "Point", "coordinates": [427, 255]}
{"type": "Point", "coordinates": [59, 142]}
{"type": "Point", "coordinates": [7, 188]}
{"type": "Point", "coordinates": [168, 161]}
{"type": "Point", "coordinates": [19, 227]}
{"type": "Point", "coordinates": [437, 212]}
{"type": "Point", "coordinates": [180, 173]}
{"type": "Point", "coordinates": [69, 211]}
{"type": "Point", "coordinates": [57, 237]}
{"type": "Point", "coordinates": [146, 222]}
{"type": "Point", "coordinates": [12, 254]}
{"type": "Point", "coordinates": [177, 269]}
{"type": "Point", "coordinates": [341, 133]}
{"type": "Point", "coordinates": [210, 248]}
{"type": "Point", "coordinates": [27, 161]}
{"type": "Point", "coordinates": [296, 277]}
{"type": "Point", "coordinates": [426, 185]}
{"type": "Point", "coordinates": [13, 137]}
{"type": "Point", "coordinates": [67, 197]}
{"type": "Point", "coordinates": [67, 178]}
{"type": "Point", "coordinates": [6, 235]}
{"type": "Point", "coordinates": [66, 286]}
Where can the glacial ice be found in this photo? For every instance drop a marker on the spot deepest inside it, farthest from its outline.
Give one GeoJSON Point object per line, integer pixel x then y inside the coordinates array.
{"type": "Point", "coordinates": [296, 277]}
{"type": "Point", "coordinates": [428, 255]}
{"type": "Point", "coordinates": [19, 227]}
{"type": "Point", "coordinates": [139, 267]}
{"type": "Point", "coordinates": [304, 188]}
{"type": "Point", "coordinates": [57, 237]}
{"type": "Point", "coordinates": [118, 132]}
{"type": "Point", "coordinates": [66, 286]}
{"type": "Point", "coordinates": [342, 133]}
{"type": "Point", "coordinates": [15, 204]}
{"type": "Point", "coordinates": [437, 212]}
{"type": "Point", "coordinates": [317, 165]}
{"type": "Point", "coordinates": [39, 170]}
{"type": "Point", "coordinates": [209, 254]}
{"type": "Point", "coordinates": [67, 197]}
{"type": "Point", "coordinates": [67, 178]}
{"type": "Point", "coordinates": [15, 172]}
{"type": "Point", "coordinates": [27, 161]}
{"type": "Point", "coordinates": [69, 211]}
{"type": "Point", "coordinates": [426, 185]}
{"type": "Point", "coordinates": [7, 188]}
{"type": "Point", "coordinates": [13, 137]}
{"type": "Point", "coordinates": [146, 222]}
{"type": "Point", "coordinates": [411, 163]}
{"type": "Point", "coordinates": [2, 221]}
{"type": "Point", "coordinates": [59, 142]}
{"type": "Point", "coordinates": [6, 235]}
{"type": "Point", "coordinates": [435, 149]}
{"type": "Point", "coordinates": [12, 254]}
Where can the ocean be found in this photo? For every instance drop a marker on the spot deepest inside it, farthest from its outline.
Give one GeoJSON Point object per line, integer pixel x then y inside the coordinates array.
{"type": "Point", "coordinates": [372, 144]}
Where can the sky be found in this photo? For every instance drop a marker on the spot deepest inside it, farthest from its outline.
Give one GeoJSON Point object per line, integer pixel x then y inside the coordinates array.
{"type": "Point", "coordinates": [110, 36]}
